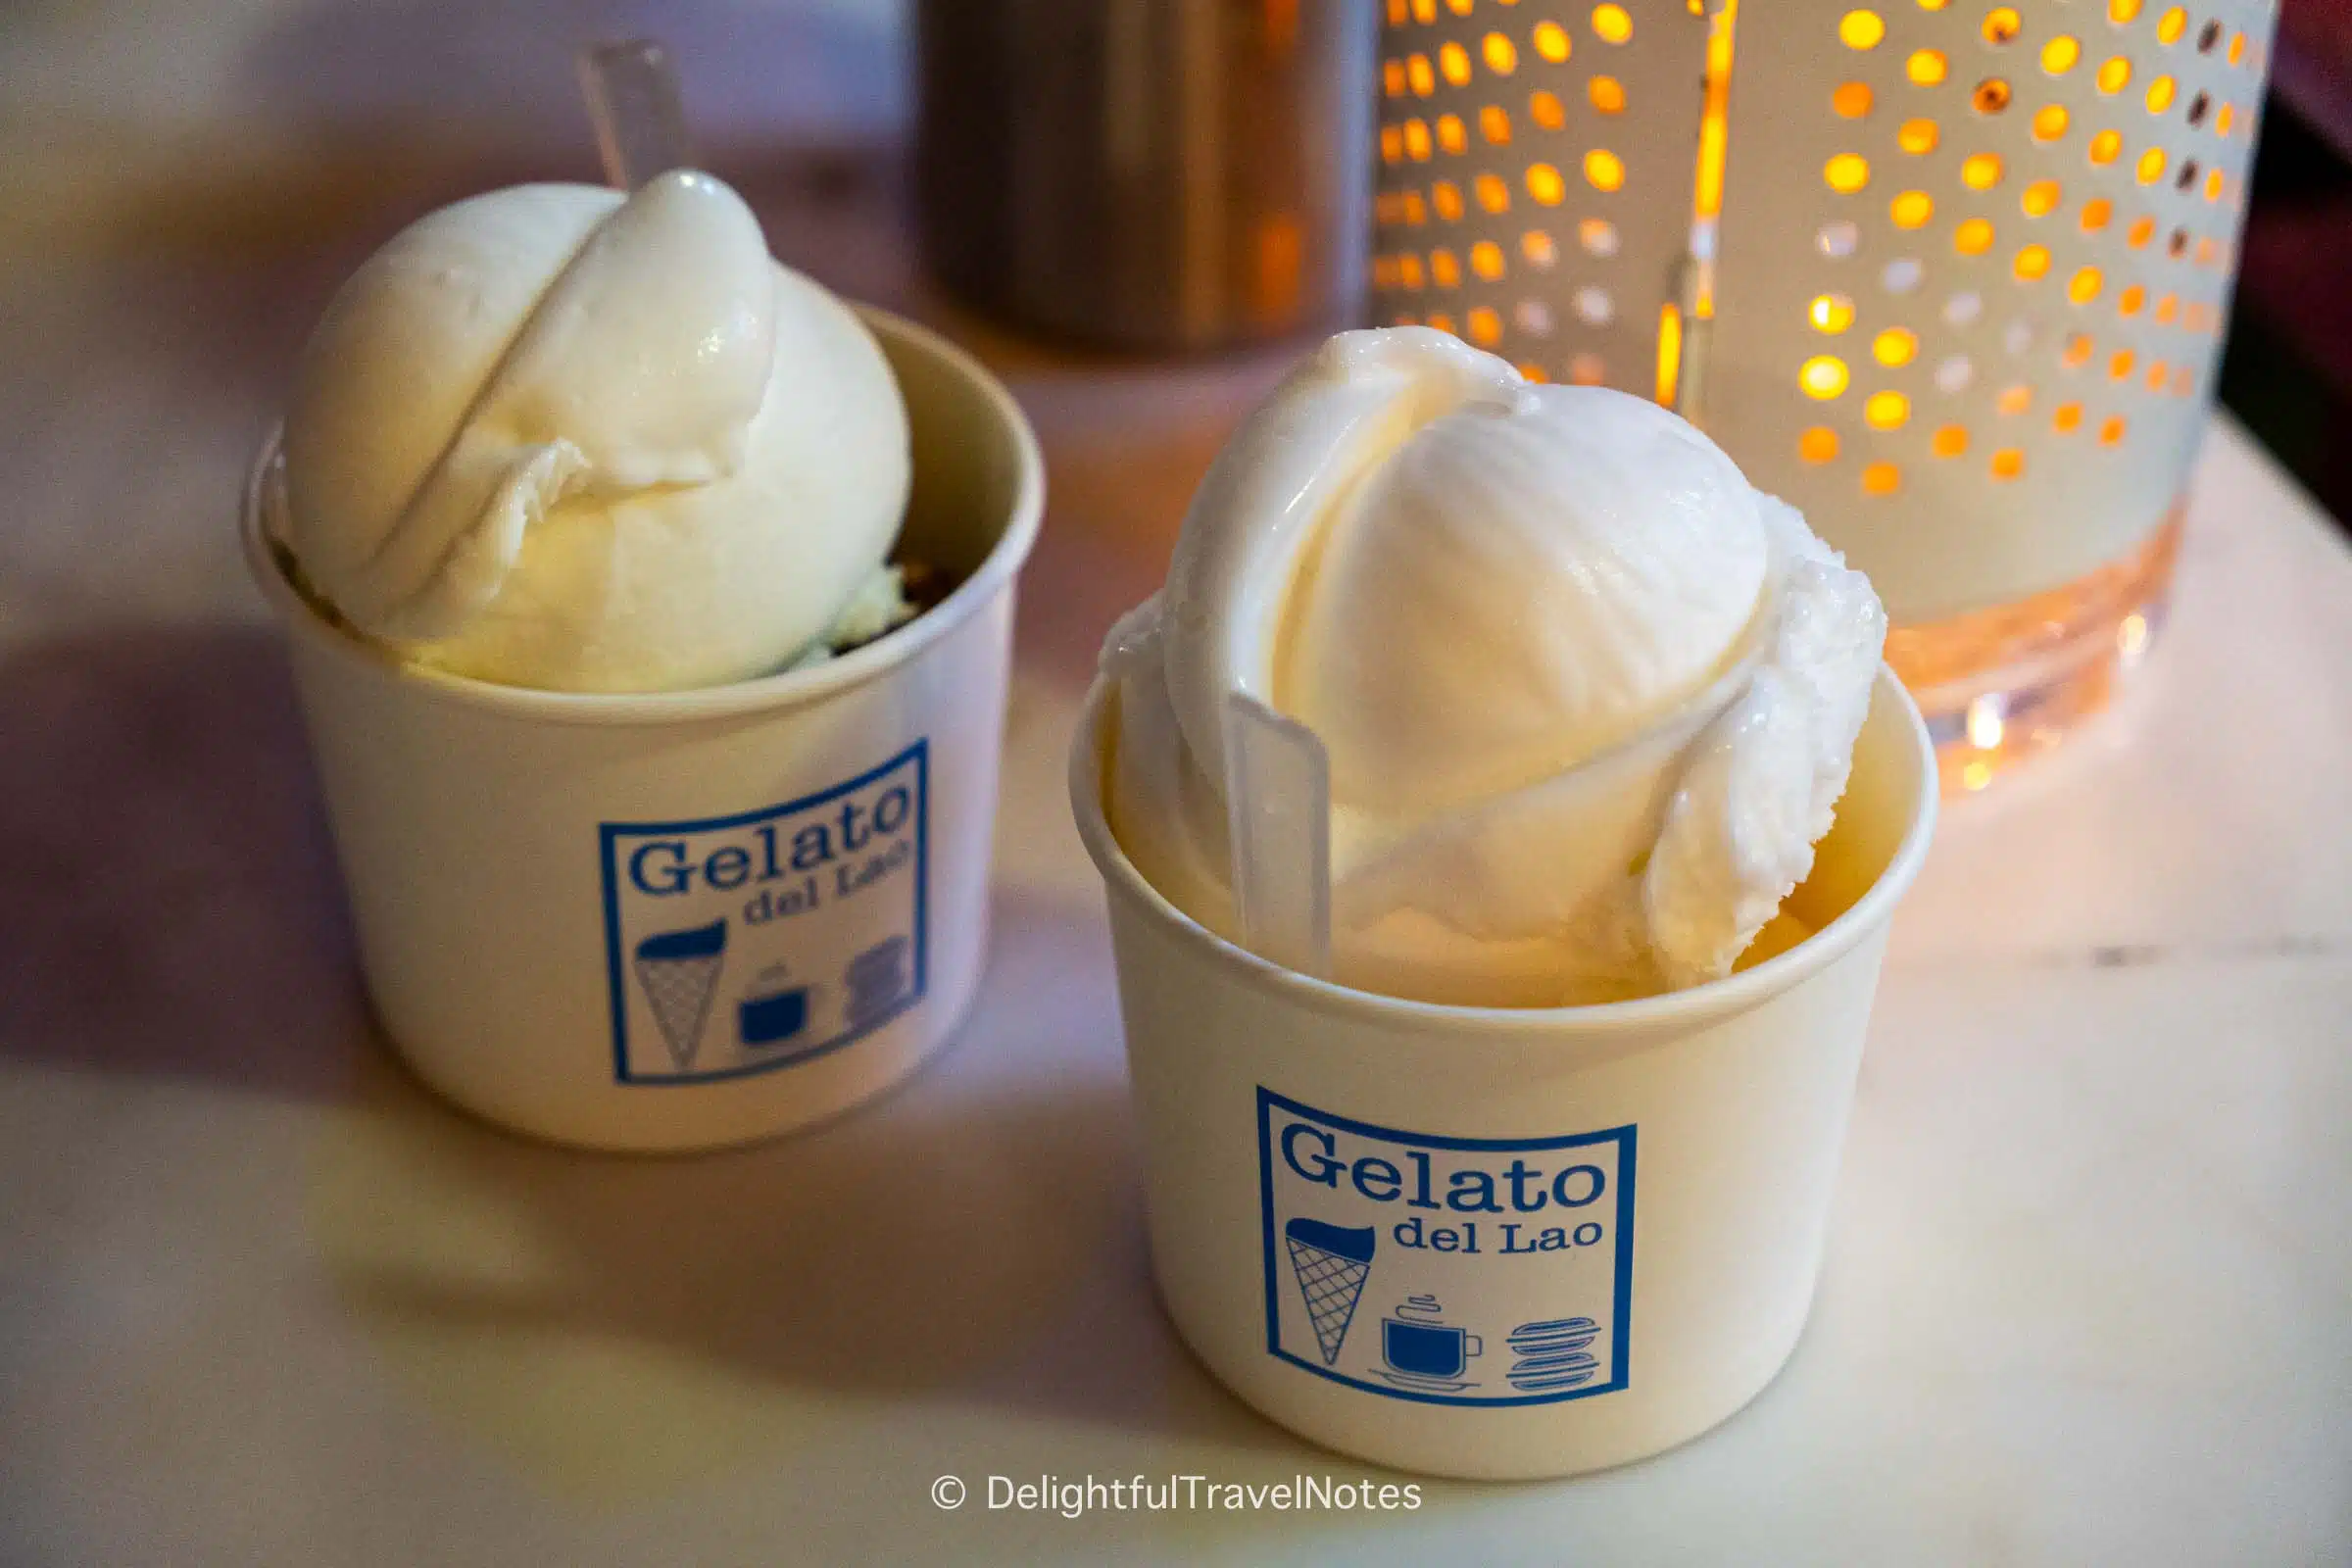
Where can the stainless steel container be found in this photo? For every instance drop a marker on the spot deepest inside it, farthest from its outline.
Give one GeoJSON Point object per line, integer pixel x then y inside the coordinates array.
{"type": "Point", "coordinates": [1149, 174]}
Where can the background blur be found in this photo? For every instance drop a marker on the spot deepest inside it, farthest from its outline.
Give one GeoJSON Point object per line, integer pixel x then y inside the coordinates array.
{"type": "Point", "coordinates": [2089, 1268]}
{"type": "Point", "coordinates": [185, 181]}
{"type": "Point", "coordinates": [194, 175]}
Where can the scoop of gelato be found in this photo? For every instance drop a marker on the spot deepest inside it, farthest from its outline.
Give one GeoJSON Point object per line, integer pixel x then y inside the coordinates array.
{"type": "Point", "coordinates": [1588, 698]}
{"type": "Point", "coordinates": [557, 436]}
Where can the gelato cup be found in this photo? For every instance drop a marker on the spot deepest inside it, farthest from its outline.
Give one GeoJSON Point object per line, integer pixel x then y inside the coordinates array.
{"type": "Point", "coordinates": [682, 920]}
{"type": "Point", "coordinates": [1501, 1243]}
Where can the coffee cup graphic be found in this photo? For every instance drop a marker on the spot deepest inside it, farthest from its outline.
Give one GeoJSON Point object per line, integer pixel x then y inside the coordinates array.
{"type": "Point", "coordinates": [769, 1020]}
{"type": "Point", "coordinates": [1422, 1351]}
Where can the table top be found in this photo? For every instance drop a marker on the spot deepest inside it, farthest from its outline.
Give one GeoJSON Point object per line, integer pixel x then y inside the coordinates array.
{"type": "Point", "coordinates": [2088, 1295]}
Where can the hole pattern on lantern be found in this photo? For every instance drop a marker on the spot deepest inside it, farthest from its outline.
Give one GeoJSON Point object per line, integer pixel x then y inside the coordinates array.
{"type": "Point", "coordinates": [1552, 225]}
{"type": "Point", "coordinates": [1824, 376]}
{"type": "Point", "coordinates": [2077, 240]}
{"type": "Point", "coordinates": [2102, 174]}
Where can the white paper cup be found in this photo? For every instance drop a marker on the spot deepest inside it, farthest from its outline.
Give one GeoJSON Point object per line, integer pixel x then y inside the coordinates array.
{"type": "Point", "coordinates": [683, 919]}
{"type": "Point", "coordinates": [1498, 1243]}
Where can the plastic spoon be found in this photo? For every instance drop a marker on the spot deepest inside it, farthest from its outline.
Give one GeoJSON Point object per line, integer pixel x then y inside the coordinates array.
{"type": "Point", "coordinates": [632, 92]}
{"type": "Point", "coordinates": [1278, 816]}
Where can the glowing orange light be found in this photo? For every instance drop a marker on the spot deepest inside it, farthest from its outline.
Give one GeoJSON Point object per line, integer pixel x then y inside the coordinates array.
{"type": "Point", "coordinates": [1823, 377]}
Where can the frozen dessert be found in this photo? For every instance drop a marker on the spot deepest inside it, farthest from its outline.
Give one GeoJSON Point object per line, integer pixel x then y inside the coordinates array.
{"type": "Point", "coordinates": [1588, 698]}
{"type": "Point", "coordinates": [563, 437]}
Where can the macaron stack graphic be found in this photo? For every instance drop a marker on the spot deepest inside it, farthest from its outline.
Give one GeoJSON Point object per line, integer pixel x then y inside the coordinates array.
{"type": "Point", "coordinates": [1554, 1355]}
{"type": "Point", "coordinates": [877, 979]}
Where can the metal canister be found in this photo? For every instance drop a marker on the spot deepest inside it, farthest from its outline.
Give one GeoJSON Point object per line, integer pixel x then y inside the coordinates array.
{"type": "Point", "coordinates": [1149, 174]}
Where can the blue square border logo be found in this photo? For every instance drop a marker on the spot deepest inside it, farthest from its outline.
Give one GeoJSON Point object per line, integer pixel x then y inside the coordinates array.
{"type": "Point", "coordinates": [1620, 1265]}
{"type": "Point", "coordinates": [909, 989]}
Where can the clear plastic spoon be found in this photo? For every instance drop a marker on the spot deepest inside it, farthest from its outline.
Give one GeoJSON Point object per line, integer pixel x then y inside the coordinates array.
{"type": "Point", "coordinates": [632, 92]}
{"type": "Point", "coordinates": [1278, 816]}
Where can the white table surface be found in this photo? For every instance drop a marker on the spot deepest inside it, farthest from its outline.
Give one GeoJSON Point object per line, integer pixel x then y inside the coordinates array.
{"type": "Point", "coordinates": [2088, 1292]}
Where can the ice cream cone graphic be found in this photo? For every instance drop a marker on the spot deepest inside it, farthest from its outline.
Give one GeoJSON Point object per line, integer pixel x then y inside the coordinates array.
{"type": "Point", "coordinates": [1332, 1262]}
{"type": "Point", "coordinates": [679, 970]}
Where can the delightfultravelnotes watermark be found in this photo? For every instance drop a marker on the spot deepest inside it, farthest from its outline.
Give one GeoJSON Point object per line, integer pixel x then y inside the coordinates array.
{"type": "Point", "coordinates": [1075, 1496]}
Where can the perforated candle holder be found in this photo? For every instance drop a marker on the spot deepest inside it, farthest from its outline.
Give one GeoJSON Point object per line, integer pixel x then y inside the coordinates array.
{"type": "Point", "coordinates": [1951, 277]}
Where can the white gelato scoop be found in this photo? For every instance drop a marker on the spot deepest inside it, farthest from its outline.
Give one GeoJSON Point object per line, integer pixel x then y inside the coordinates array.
{"type": "Point", "coordinates": [554, 436]}
{"type": "Point", "coordinates": [1588, 698]}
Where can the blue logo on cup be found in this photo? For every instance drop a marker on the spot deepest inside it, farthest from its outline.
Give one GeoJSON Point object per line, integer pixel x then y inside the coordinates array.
{"type": "Point", "coordinates": [739, 944]}
{"type": "Point", "coordinates": [1449, 1270]}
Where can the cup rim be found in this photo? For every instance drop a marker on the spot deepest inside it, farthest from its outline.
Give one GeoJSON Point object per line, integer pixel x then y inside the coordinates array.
{"type": "Point", "coordinates": [761, 693]}
{"type": "Point", "coordinates": [1691, 1005]}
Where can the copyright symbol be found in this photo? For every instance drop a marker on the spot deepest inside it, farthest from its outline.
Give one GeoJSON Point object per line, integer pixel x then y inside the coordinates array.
{"type": "Point", "coordinates": [947, 1492]}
